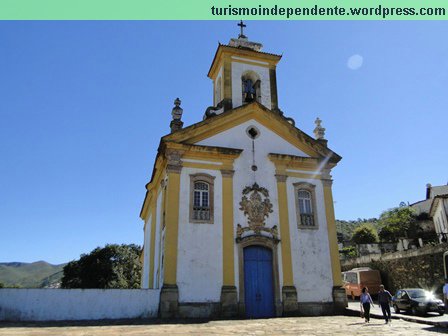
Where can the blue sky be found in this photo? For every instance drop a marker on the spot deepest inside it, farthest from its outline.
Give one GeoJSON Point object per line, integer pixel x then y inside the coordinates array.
{"type": "Point", "coordinates": [84, 104]}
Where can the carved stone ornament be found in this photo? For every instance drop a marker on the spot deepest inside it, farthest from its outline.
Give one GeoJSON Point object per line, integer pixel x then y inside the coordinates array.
{"type": "Point", "coordinates": [174, 163]}
{"type": "Point", "coordinates": [256, 206]}
{"type": "Point", "coordinates": [174, 157]}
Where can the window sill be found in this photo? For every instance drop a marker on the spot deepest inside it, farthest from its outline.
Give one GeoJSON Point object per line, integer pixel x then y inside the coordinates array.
{"type": "Point", "coordinates": [305, 227]}
{"type": "Point", "coordinates": [194, 221]}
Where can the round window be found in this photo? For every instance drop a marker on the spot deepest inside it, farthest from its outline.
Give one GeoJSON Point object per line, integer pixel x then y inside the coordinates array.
{"type": "Point", "coordinates": [252, 132]}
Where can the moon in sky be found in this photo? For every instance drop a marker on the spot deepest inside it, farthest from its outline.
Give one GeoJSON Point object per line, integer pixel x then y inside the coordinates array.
{"type": "Point", "coordinates": [355, 62]}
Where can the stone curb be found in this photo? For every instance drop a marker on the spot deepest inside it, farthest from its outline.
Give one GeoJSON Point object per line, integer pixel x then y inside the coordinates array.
{"type": "Point", "coordinates": [443, 324]}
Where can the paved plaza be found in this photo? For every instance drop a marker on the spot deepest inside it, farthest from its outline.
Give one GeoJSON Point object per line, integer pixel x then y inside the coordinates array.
{"type": "Point", "coordinates": [324, 325]}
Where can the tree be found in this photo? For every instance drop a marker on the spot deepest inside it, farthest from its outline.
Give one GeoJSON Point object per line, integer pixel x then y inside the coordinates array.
{"type": "Point", "coordinates": [398, 222]}
{"type": "Point", "coordinates": [365, 234]}
{"type": "Point", "coordinates": [345, 228]}
{"type": "Point", "coordinates": [113, 266]}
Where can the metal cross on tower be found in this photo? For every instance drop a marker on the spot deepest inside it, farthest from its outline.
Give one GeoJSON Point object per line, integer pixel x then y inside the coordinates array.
{"type": "Point", "coordinates": [241, 25]}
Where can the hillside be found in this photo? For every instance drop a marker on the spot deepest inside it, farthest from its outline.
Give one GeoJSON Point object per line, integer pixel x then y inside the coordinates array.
{"type": "Point", "coordinates": [30, 275]}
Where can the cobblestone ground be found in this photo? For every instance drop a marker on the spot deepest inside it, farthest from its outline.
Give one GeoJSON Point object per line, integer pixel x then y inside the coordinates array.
{"type": "Point", "coordinates": [325, 325]}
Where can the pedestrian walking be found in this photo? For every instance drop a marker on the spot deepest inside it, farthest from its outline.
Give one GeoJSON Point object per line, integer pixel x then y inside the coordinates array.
{"type": "Point", "coordinates": [445, 294]}
{"type": "Point", "coordinates": [384, 299]}
{"type": "Point", "coordinates": [365, 301]}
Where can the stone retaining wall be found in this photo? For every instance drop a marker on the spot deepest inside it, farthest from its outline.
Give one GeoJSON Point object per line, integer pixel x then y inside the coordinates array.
{"type": "Point", "coordinates": [421, 267]}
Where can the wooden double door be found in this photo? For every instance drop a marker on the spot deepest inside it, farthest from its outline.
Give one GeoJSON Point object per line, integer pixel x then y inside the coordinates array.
{"type": "Point", "coordinates": [258, 282]}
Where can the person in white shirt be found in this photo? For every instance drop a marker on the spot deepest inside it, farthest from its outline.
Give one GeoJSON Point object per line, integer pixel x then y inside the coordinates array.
{"type": "Point", "coordinates": [365, 301]}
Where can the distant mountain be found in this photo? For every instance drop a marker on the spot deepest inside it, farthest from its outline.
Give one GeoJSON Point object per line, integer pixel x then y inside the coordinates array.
{"type": "Point", "coordinates": [30, 275]}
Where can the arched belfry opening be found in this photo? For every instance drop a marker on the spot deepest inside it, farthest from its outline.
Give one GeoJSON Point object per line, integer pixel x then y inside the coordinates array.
{"type": "Point", "coordinates": [251, 87]}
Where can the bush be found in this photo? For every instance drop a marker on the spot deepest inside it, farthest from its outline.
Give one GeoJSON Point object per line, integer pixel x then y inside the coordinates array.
{"type": "Point", "coordinates": [365, 234]}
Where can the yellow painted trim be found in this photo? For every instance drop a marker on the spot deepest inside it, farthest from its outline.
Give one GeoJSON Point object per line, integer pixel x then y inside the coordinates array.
{"type": "Point", "coordinates": [217, 65]}
{"type": "Point", "coordinates": [224, 53]}
{"type": "Point", "coordinates": [145, 209]}
{"type": "Point", "coordinates": [153, 185]}
{"type": "Point", "coordinates": [161, 227]}
{"type": "Point", "coordinates": [305, 175]}
{"type": "Point", "coordinates": [201, 165]}
{"type": "Point", "coordinates": [227, 232]}
{"type": "Point", "coordinates": [284, 234]}
{"type": "Point", "coordinates": [294, 162]}
{"type": "Point", "coordinates": [227, 79]}
{"type": "Point", "coordinates": [332, 237]}
{"type": "Point", "coordinates": [172, 228]}
{"type": "Point", "coordinates": [267, 66]}
{"type": "Point", "coordinates": [192, 151]}
{"type": "Point", "coordinates": [203, 157]}
{"type": "Point", "coordinates": [153, 241]}
{"type": "Point", "coordinates": [148, 199]}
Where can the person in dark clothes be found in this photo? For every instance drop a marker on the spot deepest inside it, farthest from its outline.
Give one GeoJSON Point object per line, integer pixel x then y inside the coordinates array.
{"type": "Point", "coordinates": [384, 299]}
{"type": "Point", "coordinates": [366, 300]}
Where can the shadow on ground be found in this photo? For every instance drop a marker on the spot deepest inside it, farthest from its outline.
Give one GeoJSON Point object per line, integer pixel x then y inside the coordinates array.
{"type": "Point", "coordinates": [98, 323]}
{"type": "Point", "coordinates": [439, 330]}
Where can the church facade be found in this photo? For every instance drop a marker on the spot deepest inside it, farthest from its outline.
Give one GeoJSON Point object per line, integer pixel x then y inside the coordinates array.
{"type": "Point", "coordinates": [238, 213]}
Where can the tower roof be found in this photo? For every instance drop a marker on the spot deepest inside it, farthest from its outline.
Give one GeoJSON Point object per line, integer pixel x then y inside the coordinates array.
{"type": "Point", "coordinates": [240, 50]}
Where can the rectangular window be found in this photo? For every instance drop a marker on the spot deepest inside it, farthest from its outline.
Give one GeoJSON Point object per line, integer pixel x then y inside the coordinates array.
{"type": "Point", "coordinates": [201, 198]}
{"type": "Point", "coordinates": [305, 205]}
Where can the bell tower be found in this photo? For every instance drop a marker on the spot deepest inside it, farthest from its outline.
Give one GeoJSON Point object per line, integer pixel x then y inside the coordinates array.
{"type": "Point", "coordinates": [241, 74]}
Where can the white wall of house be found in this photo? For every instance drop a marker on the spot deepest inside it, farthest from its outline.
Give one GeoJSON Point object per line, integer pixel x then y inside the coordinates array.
{"type": "Point", "coordinates": [199, 255]}
{"type": "Point", "coordinates": [440, 217]}
{"type": "Point", "coordinates": [77, 304]}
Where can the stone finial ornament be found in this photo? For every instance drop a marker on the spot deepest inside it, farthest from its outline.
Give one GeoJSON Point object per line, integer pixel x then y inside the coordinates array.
{"type": "Point", "coordinates": [319, 131]}
{"type": "Point", "coordinates": [176, 124]}
{"type": "Point", "coordinates": [177, 110]}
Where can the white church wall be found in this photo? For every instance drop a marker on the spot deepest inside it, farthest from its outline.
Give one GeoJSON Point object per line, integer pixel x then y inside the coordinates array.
{"type": "Point", "coordinates": [310, 249]}
{"type": "Point", "coordinates": [199, 257]}
{"type": "Point", "coordinates": [238, 69]}
{"type": "Point", "coordinates": [77, 304]}
{"type": "Point", "coordinates": [146, 254]}
{"type": "Point", "coordinates": [267, 142]}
